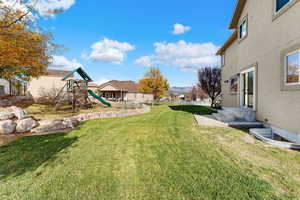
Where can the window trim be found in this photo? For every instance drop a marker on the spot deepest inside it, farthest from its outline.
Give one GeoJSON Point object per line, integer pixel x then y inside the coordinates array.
{"type": "Point", "coordinates": [244, 19]}
{"type": "Point", "coordinates": [277, 14]}
{"type": "Point", "coordinates": [238, 87]}
{"type": "Point", "coordinates": [291, 48]}
{"type": "Point", "coordinates": [252, 68]}
{"type": "Point", "coordinates": [286, 69]}
{"type": "Point", "coordinates": [284, 7]}
{"type": "Point", "coordinates": [222, 59]}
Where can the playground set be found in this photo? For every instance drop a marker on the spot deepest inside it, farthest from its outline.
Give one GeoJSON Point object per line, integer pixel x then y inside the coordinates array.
{"type": "Point", "coordinates": [76, 92]}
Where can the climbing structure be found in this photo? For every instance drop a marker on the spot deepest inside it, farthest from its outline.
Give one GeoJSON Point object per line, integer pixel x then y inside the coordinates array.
{"type": "Point", "coordinates": [75, 91]}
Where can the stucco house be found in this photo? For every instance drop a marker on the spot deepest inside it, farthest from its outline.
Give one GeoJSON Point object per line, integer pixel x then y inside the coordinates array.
{"type": "Point", "coordinates": [93, 86]}
{"type": "Point", "coordinates": [50, 82]}
{"type": "Point", "coordinates": [123, 91]}
{"type": "Point", "coordinates": [261, 63]}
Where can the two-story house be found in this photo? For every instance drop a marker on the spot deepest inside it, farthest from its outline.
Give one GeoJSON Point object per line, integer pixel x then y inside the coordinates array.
{"type": "Point", "coordinates": [261, 63]}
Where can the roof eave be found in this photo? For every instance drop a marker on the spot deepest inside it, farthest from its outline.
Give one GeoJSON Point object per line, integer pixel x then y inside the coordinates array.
{"type": "Point", "coordinates": [227, 44]}
{"type": "Point", "coordinates": [237, 14]}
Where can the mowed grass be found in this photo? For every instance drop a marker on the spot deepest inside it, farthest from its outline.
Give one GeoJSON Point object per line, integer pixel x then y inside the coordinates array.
{"type": "Point", "coordinates": [159, 155]}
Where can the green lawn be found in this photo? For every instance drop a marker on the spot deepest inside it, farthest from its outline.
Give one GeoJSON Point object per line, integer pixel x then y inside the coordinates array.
{"type": "Point", "coordinates": [159, 155]}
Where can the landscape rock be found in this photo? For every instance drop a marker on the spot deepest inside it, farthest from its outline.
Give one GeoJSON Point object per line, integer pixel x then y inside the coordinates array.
{"type": "Point", "coordinates": [71, 122]}
{"type": "Point", "coordinates": [26, 125]}
{"type": "Point", "coordinates": [18, 112]}
{"type": "Point", "coordinates": [5, 115]}
{"type": "Point", "coordinates": [50, 126]}
{"type": "Point", "coordinates": [7, 127]}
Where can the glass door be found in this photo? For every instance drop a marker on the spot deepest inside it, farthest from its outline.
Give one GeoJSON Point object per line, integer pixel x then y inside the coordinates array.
{"type": "Point", "coordinates": [248, 89]}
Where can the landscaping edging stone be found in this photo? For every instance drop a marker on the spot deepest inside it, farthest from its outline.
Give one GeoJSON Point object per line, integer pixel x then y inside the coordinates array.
{"type": "Point", "coordinates": [16, 121]}
{"type": "Point", "coordinates": [7, 127]}
{"type": "Point", "coordinates": [13, 100]}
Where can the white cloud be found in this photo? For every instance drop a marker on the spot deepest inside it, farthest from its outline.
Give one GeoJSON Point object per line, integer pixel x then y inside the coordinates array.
{"type": "Point", "coordinates": [180, 29]}
{"type": "Point", "coordinates": [101, 81]}
{"type": "Point", "coordinates": [61, 62]}
{"type": "Point", "coordinates": [187, 56]}
{"type": "Point", "coordinates": [44, 8]}
{"type": "Point", "coordinates": [145, 61]}
{"type": "Point", "coordinates": [47, 7]}
{"type": "Point", "coordinates": [108, 50]}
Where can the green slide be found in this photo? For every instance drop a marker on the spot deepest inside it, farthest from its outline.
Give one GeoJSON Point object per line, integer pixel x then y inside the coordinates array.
{"type": "Point", "coordinates": [99, 98]}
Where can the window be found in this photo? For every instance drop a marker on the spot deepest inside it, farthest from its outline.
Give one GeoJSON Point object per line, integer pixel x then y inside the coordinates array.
{"type": "Point", "coordinates": [243, 28]}
{"type": "Point", "coordinates": [222, 60]}
{"type": "Point", "coordinates": [234, 84]}
{"type": "Point", "coordinates": [281, 4]}
{"type": "Point", "coordinates": [292, 68]}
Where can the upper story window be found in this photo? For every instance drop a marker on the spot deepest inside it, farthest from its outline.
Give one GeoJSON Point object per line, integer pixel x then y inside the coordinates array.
{"type": "Point", "coordinates": [222, 60]}
{"type": "Point", "coordinates": [292, 68]}
{"type": "Point", "coordinates": [243, 28]}
{"type": "Point", "coordinates": [281, 4]}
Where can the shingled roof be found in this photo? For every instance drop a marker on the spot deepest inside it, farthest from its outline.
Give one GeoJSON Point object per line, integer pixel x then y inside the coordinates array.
{"type": "Point", "coordinates": [126, 86]}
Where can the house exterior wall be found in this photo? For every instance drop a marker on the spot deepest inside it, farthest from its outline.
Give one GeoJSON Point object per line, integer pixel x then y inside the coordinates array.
{"type": "Point", "coordinates": [94, 89]}
{"type": "Point", "coordinates": [37, 86]}
{"type": "Point", "coordinates": [144, 97]}
{"type": "Point", "coordinates": [269, 36]}
{"type": "Point", "coordinates": [229, 70]}
{"type": "Point", "coordinates": [138, 97]}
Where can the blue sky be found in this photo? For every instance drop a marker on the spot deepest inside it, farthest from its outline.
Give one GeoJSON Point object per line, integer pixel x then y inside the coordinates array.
{"type": "Point", "coordinates": [129, 36]}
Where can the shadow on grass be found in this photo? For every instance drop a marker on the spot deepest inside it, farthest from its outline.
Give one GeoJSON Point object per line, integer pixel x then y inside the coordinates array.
{"type": "Point", "coordinates": [28, 153]}
{"type": "Point", "coordinates": [200, 110]}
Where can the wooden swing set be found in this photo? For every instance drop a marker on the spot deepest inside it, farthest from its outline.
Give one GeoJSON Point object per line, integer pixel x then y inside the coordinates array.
{"type": "Point", "coordinates": [75, 91]}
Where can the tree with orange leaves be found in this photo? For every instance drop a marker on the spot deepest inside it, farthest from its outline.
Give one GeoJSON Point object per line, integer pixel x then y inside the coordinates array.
{"type": "Point", "coordinates": [24, 53]}
{"type": "Point", "coordinates": [155, 83]}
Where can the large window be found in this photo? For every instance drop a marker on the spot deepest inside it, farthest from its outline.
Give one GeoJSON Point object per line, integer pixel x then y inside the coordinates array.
{"type": "Point", "coordinates": [281, 4]}
{"type": "Point", "coordinates": [243, 28]}
{"type": "Point", "coordinates": [292, 68]}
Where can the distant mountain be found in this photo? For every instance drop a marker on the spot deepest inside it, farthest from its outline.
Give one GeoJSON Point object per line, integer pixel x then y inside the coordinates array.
{"type": "Point", "coordinates": [180, 90]}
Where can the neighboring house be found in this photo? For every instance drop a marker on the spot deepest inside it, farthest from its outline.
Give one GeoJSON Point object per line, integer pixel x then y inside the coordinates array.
{"type": "Point", "coordinates": [261, 63]}
{"type": "Point", "coordinates": [49, 83]}
{"type": "Point", "coordinates": [123, 91]}
{"type": "Point", "coordinates": [12, 87]}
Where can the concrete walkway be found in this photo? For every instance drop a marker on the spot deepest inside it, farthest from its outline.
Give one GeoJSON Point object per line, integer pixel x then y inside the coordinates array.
{"type": "Point", "coordinates": [209, 120]}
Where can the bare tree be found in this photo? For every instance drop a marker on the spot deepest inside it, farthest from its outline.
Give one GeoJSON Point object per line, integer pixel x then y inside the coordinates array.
{"type": "Point", "coordinates": [210, 82]}
{"type": "Point", "coordinates": [194, 93]}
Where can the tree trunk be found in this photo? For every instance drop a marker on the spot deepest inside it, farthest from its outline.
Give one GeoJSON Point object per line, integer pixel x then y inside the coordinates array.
{"type": "Point", "coordinates": [212, 103]}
